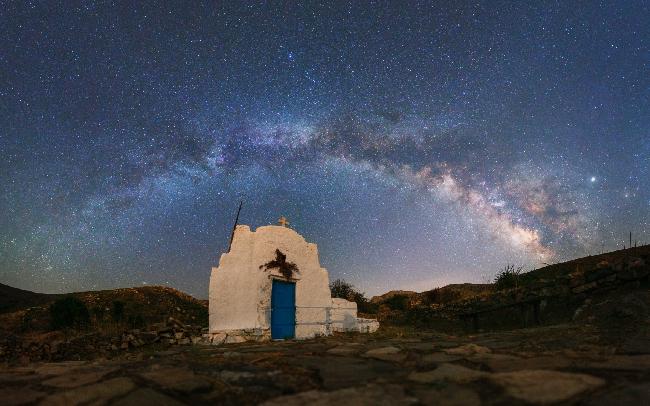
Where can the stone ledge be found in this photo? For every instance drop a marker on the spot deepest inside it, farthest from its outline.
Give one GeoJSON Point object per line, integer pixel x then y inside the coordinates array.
{"type": "Point", "coordinates": [236, 336]}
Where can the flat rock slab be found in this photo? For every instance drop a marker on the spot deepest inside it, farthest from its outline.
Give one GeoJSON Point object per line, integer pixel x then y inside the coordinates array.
{"type": "Point", "coordinates": [338, 372]}
{"type": "Point", "coordinates": [146, 396]}
{"type": "Point", "coordinates": [100, 392]}
{"type": "Point", "coordinates": [545, 387]}
{"type": "Point", "coordinates": [370, 395]}
{"type": "Point", "coordinates": [19, 396]}
{"type": "Point", "coordinates": [424, 347]}
{"type": "Point", "coordinates": [439, 358]}
{"type": "Point", "coordinates": [177, 379]}
{"type": "Point", "coordinates": [235, 376]}
{"type": "Point", "coordinates": [450, 395]}
{"type": "Point", "coordinates": [58, 368]}
{"type": "Point", "coordinates": [508, 363]}
{"type": "Point", "coordinates": [632, 395]}
{"type": "Point", "coordinates": [468, 349]}
{"type": "Point", "coordinates": [16, 378]}
{"type": "Point", "coordinates": [78, 377]}
{"type": "Point", "coordinates": [622, 362]}
{"type": "Point", "coordinates": [447, 372]}
{"type": "Point", "coordinates": [343, 350]}
{"type": "Point", "coordinates": [390, 353]}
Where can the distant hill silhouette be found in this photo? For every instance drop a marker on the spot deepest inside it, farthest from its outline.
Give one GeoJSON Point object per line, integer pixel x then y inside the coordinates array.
{"type": "Point", "coordinates": [142, 305]}
{"type": "Point", "coordinates": [462, 291]}
{"type": "Point", "coordinates": [13, 298]}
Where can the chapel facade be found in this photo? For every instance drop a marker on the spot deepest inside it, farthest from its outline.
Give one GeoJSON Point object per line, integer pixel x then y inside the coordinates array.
{"type": "Point", "coordinates": [270, 285]}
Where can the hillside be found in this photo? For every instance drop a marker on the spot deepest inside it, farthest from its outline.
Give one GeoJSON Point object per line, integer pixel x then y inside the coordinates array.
{"type": "Point", "coordinates": [13, 298]}
{"type": "Point", "coordinates": [610, 290]}
{"type": "Point", "coordinates": [135, 307]}
{"type": "Point", "coordinates": [465, 291]}
{"type": "Point", "coordinates": [117, 320]}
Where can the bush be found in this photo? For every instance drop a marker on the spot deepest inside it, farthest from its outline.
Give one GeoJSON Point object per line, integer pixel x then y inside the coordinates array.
{"type": "Point", "coordinates": [69, 312]}
{"type": "Point", "coordinates": [397, 302]}
{"type": "Point", "coordinates": [343, 289]}
{"type": "Point", "coordinates": [286, 268]}
{"type": "Point", "coordinates": [508, 277]}
{"type": "Point", "coordinates": [117, 311]}
{"type": "Point", "coordinates": [347, 291]}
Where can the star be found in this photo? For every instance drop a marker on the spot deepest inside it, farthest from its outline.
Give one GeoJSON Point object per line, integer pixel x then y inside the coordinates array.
{"type": "Point", "coordinates": [416, 145]}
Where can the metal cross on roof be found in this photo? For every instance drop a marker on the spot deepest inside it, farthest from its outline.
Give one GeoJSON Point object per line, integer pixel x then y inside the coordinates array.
{"type": "Point", "coordinates": [283, 222]}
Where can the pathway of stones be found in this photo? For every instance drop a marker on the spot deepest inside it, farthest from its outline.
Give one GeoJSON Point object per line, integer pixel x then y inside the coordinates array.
{"type": "Point", "coordinates": [562, 364]}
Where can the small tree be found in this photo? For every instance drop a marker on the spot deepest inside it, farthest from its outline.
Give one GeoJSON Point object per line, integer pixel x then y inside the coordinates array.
{"type": "Point", "coordinates": [508, 277]}
{"type": "Point", "coordinates": [69, 312]}
{"type": "Point", "coordinates": [343, 289]}
{"type": "Point", "coordinates": [347, 291]}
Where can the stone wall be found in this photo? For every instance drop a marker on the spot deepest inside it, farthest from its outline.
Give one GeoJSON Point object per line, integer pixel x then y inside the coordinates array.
{"type": "Point", "coordinates": [537, 301]}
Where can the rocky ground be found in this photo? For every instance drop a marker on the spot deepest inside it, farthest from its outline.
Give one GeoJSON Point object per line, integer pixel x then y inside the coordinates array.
{"type": "Point", "coordinates": [565, 364]}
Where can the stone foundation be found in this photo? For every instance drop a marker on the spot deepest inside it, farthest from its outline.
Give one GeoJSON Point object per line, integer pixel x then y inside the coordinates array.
{"type": "Point", "coordinates": [340, 318]}
{"type": "Point", "coordinates": [237, 336]}
{"type": "Point", "coordinates": [367, 325]}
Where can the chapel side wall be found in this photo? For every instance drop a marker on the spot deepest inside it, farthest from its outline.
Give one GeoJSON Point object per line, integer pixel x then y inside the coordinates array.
{"type": "Point", "coordinates": [344, 315]}
{"type": "Point", "coordinates": [232, 302]}
{"type": "Point", "coordinates": [313, 304]}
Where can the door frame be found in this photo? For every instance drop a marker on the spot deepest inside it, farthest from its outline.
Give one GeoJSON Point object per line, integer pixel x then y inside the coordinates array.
{"type": "Point", "coordinates": [288, 282]}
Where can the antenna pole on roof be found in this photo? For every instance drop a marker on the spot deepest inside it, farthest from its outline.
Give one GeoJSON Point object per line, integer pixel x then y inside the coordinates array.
{"type": "Point", "coordinates": [232, 235]}
{"type": "Point", "coordinates": [630, 239]}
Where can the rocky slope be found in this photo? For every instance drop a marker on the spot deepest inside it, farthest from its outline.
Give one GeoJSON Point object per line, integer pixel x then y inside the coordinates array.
{"type": "Point", "coordinates": [613, 283]}
{"type": "Point", "coordinates": [119, 320]}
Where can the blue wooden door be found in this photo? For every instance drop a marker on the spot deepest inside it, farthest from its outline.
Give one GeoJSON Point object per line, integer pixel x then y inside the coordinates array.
{"type": "Point", "coordinates": [283, 310]}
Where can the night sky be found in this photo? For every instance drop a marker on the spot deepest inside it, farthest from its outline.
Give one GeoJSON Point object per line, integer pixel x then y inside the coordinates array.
{"type": "Point", "coordinates": [418, 144]}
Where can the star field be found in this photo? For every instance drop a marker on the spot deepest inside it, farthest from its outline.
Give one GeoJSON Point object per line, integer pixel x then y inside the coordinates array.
{"type": "Point", "coordinates": [418, 144]}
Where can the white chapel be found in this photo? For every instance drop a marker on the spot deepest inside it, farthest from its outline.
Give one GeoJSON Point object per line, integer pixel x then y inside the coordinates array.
{"type": "Point", "coordinates": [270, 285]}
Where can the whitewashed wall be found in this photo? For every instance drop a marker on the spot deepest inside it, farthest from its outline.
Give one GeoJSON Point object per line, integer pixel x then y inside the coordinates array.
{"type": "Point", "coordinates": [343, 315]}
{"type": "Point", "coordinates": [240, 292]}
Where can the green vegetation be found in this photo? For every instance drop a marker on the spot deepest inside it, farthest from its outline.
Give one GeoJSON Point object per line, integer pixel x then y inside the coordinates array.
{"type": "Point", "coordinates": [68, 312]}
{"type": "Point", "coordinates": [347, 291]}
{"type": "Point", "coordinates": [398, 302]}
